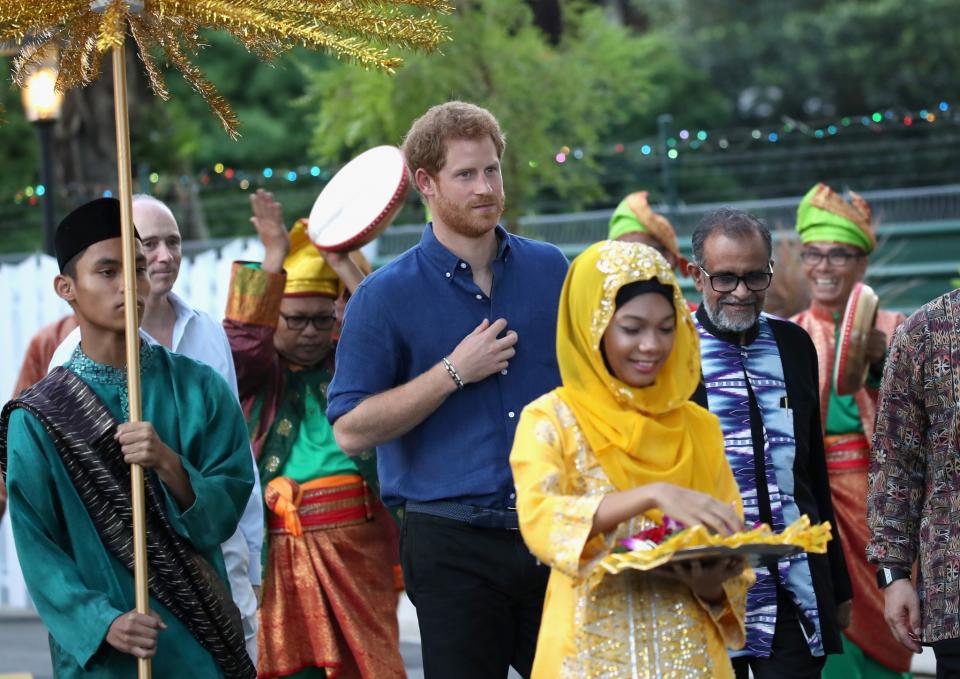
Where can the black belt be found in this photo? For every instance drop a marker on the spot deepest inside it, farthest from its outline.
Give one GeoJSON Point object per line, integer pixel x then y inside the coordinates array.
{"type": "Point", "coordinates": [481, 517]}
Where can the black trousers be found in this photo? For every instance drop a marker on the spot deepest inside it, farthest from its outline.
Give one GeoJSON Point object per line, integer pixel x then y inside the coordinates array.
{"type": "Point", "coordinates": [948, 658]}
{"type": "Point", "coordinates": [790, 656]}
{"type": "Point", "coordinates": [479, 597]}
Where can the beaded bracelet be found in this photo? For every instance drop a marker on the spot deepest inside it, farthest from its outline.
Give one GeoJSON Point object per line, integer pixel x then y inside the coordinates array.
{"type": "Point", "coordinates": [454, 375]}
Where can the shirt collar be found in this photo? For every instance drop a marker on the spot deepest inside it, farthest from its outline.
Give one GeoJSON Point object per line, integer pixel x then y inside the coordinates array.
{"type": "Point", "coordinates": [180, 308]}
{"type": "Point", "coordinates": [725, 335]}
{"type": "Point", "coordinates": [448, 262]}
{"type": "Point", "coordinates": [184, 313]}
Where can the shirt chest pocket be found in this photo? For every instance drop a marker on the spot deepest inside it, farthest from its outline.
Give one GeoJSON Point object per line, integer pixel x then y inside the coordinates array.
{"type": "Point", "coordinates": [779, 425]}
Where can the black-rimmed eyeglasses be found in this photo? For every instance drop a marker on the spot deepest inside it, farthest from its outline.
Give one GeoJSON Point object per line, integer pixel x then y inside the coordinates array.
{"type": "Point", "coordinates": [836, 257]}
{"type": "Point", "coordinates": [322, 322]}
{"type": "Point", "coordinates": [728, 282]}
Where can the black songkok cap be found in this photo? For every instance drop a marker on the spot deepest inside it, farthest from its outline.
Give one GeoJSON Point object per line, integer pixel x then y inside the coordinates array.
{"type": "Point", "coordinates": [90, 223]}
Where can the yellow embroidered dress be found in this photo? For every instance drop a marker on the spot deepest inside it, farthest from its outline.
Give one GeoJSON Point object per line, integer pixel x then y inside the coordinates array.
{"type": "Point", "coordinates": [571, 450]}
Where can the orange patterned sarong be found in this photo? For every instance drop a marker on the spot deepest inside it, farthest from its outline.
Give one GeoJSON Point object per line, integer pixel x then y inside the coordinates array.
{"type": "Point", "coordinates": [848, 457]}
{"type": "Point", "coordinates": [329, 599]}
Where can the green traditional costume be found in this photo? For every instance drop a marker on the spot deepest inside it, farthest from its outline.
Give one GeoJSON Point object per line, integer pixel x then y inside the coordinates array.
{"type": "Point", "coordinates": [869, 649]}
{"type": "Point", "coordinates": [78, 586]}
{"type": "Point", "coordinates": [70, 507]}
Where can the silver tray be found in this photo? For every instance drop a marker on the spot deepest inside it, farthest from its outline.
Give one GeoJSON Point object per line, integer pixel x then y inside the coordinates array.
{"type": "Point", "coordinates": [752, 552]}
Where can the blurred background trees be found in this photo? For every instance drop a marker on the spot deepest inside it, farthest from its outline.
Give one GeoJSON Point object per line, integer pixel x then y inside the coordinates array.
{"type": "Point", "coordinates": [765, 99]}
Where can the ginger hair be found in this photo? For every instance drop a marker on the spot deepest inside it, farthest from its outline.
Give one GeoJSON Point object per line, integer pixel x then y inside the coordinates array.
{"type": "Point", "coordinates": [425, 145]}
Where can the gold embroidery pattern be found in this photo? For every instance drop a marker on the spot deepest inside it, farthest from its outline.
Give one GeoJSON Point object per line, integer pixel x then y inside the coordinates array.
{"type": "Point", "coordinates": [665, 628]}
{"type": "Point", "coordinates": [573, 520]}
{"type": "Point", "coordinates": [254, 296]}
{"type": "Point", "coordinates": [619, 262]}
{"type": "Point", "coordinates": [659, 620]}
{"type": "Point", "coordinates": [284, 427]}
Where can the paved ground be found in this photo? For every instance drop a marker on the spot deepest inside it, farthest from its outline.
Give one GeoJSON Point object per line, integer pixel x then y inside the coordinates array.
{"type": "Point", "coordinates": [23, 648]}
{"type": "Point", "coordinates": [23, 645]}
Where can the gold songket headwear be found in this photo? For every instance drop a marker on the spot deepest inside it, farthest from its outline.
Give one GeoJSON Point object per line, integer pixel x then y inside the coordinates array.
{"type": "Point", "coordinates": [823, 215]}
{"type": "Point", "coordinates": [308, 273]}
{"type": "Point", "coordinates": [639, 434]}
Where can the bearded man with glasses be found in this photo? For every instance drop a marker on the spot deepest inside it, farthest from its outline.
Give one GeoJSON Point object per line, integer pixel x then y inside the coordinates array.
{"type": "Point", "coordinates": [837, 237]}
{"type": "Point", "coordinates": [329, 591]}
{"type": "Point", "coordinates": [760, 380]}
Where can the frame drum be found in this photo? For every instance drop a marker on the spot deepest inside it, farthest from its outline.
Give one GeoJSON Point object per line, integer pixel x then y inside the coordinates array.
{"type": "Point", "coordinates": [850, 362]}
{"type": "Point", "coordinates": [360, 201]}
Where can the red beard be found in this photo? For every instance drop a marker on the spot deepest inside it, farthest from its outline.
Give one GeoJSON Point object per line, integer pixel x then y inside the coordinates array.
{"type": "Point", "coordinates": [464, 220]}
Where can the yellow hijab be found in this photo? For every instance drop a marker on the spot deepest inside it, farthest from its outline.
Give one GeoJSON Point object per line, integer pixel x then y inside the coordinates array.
{"type": "Point", "coordinates": [639, 435]}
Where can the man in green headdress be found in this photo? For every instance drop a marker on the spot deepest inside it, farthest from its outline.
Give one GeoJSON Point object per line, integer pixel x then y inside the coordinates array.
{"type": "Point", "coordinates": [837, 237]}
{"type": "Point", "coordinates": [634, 221]}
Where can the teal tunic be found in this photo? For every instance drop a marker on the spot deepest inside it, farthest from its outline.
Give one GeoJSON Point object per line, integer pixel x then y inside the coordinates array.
{"type": "Point", "coordinates": [78, 587]}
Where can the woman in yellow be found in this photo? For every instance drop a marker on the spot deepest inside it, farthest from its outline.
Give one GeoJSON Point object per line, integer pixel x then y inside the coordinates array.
{"type": "Point", "coordinates": [619, 445]}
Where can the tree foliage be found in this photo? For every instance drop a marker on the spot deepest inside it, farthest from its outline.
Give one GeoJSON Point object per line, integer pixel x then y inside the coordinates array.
{"type": "Point", "coordinates": [545, 96]}
{"type": "Point", "coordinates": [816, 57]}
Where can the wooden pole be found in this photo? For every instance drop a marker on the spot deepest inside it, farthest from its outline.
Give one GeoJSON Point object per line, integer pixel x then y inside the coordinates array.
{"type": "Point", "coordinates": [132, 332]}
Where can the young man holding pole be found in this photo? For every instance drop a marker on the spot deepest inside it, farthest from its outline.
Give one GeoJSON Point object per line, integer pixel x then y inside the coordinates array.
{"type": "Point", "coordinates": [169, 320]}
{"type": "Point", "coordinates": [66, 462]}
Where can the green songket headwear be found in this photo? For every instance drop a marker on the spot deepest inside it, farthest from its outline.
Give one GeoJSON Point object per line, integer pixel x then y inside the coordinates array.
{"type": "Point", "coordinates": [823, 215]}
{"type": "Point", "coordinates": [624, 221]}
{"type": "Point", "coordinates": [634, 215]}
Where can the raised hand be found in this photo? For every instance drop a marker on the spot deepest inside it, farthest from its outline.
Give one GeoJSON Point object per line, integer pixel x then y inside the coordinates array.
{"type": "Point", "coordinates": [481, 353]}
{"type": "Point", "coordinates": [267, 219]}
{"type": "Point", "coordinates": [346, 269]}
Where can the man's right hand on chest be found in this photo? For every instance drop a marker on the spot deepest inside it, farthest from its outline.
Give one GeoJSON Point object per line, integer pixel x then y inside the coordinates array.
{"type": "Point", "coordinates": [481, 353]}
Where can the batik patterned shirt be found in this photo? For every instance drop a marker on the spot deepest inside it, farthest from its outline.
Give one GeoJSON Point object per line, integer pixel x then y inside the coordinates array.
{"type": "Point", "coordinates": [914, 492]}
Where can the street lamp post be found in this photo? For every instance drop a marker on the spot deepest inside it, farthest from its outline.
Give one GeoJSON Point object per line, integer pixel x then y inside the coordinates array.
{"type": "Point", "coordinates": [41, 104]}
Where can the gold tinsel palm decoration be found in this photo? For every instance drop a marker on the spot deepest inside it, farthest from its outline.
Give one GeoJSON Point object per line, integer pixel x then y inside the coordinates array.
{"type": "Point", "coordinates": [84, 30]}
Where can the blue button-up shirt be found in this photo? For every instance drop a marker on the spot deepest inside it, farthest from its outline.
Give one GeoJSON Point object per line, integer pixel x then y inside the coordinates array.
{"type": "Point", "coordinates": [404, 318]}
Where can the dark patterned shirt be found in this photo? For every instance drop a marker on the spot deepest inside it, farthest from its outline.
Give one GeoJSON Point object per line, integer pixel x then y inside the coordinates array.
{"type": "Point", "coordinates": [914, 493]}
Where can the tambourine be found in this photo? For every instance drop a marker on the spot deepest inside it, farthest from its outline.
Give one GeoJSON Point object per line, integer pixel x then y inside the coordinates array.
{"type": "Point", "coordinates": [360, 201]}
{"type": "Point", "coordinates": [850, 363]}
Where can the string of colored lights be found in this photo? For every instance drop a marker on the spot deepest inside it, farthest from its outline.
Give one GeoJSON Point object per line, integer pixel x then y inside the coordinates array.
{"type": "Point", "coordinates": [720, 140]}
{"type": "Point", "coordinates": [685, 140]}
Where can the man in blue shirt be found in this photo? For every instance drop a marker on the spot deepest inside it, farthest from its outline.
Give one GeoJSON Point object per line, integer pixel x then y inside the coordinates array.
{"type": "Point", "coordinates": [441, 349]}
